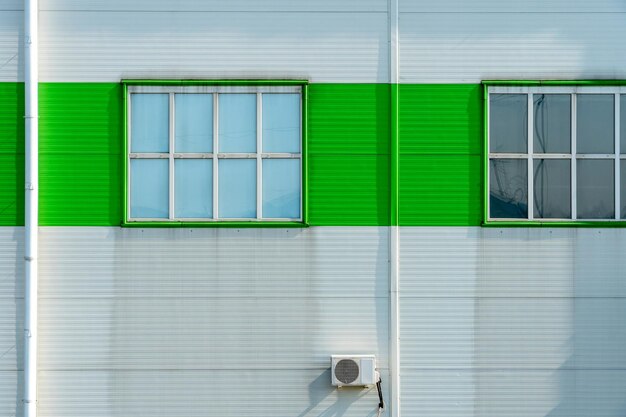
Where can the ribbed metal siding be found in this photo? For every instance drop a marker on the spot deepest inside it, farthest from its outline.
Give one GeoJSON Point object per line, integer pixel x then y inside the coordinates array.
{"type": "Point", "coordinates": [223, 322]}
{"type": "Point", "coordinates": [12, 5]}
{"type": "Point", "coordinates": [513, 322]}
{"type": "Point", "coordinates": [470, 47]}
{"type": "Point", "coordinates": [216, 5]}
{"type": "Point", "coordinates": [514, 6]}
{"type": "Point", "coordinates": [98, 262]}
{"type": "Point", "coordinates": [109, 46]}
{"type": "Point", "coordinates": [208, 333]}
{"type": "Point", "coordinates": [11, 320]}
{"type": "Point", "coordinates": [11, 42]}
{"type": "Point", "coordinates": [304, 393]}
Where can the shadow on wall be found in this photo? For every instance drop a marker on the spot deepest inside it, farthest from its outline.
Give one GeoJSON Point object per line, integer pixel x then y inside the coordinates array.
{"type": "Point", "coordinates": [549, 319]}
{"type": "Point", "coordinates": [320, 388]}
{"type": "Point", "coordinates": [18, 347]}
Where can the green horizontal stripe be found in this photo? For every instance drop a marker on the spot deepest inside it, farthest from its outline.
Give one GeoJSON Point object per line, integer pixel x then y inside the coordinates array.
{"type": "Point", "coordinates": [81, 157]}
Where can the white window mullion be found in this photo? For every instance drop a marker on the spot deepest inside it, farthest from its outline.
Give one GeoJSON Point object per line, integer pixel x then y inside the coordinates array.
{"type": "Point", "coordinates": [573, 157]}
{"type": "Point", "coordinates": [171, 157]}
{"type": "Point", "coordinates": [215, 150]}
{"type": "Point", "coordinates": [259, 150]}
{"type": "Point", "coordinates": [531, 202]}
{"type": "Point", "coordinates": [617, 158]}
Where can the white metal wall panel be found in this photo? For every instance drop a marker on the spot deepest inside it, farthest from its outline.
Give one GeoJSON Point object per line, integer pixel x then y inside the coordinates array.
{"type": "Point", "coordinates": [216, 5]}
{"type": "Point", "coordinates": [11, 319]}
{"type": "Point", "coordinates": [93, 262]}
{"type": "Point", "coordinates": [513, 262]}
{"type": "Point", "coordinates": [11, 404]}
{"type": "Point", "coordinates": [11, 300]}
{"type": "Point", "coordinates": [487, 262]}
{"type": "Point", "coordinates": [470, 47]}
{"type": "Point", "coordinates": [11, 5]}
{"type": "Point", "coordinates": [201, 393]}
{"type": "Point", "coordinates": [513, 322]}
{"type": "Point", "coordinates": [211, 321]}
{"type": "Point", "coordinates": [209, 333]}
{"type": "Point", "coordinates": [11, 44]}
{"type": "Point", "coordinates": [600, 264]}
{"type": "Point", "coordinates": [513, 6]}
{"type": "Point", "coordinates": [11, 334]}
{"type": "Point", "coordinates": [11, 262]}
{"type": "Point", "coordinates": [109, 46]}
{"type": "Point", "coordinates": [561, 393]}
{"type": "Point", "coordinates": [600, 333]}
{"type": "Point", "coordinates": [453, 333]}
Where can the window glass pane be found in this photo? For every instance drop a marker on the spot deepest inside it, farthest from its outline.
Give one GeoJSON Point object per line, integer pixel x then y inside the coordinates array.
{"type": "Point", "coordinates": [622, 124]}
{"type": "Point", "coordinates": [622, 188]}
{"type": "Point", "coordinates": [281, 123]}
{"type": "Point", "coordinates": [237, 123]}
{"type": "Point", "coordinates": [149, 126]}
{"type": "Point", "coordinates": [508, 188]}
{"type": "Point", "coordinates": [508, 123]}
{"type": "Point", "coordinates": [193, 188]}
{"type": "Point", "coordinates": [595, 189]}
{"type": "Point", "coordinates": [237, 188]}
{"type": "Point", "coordinates": [281, 188]}
{"type": "Point", "coordinates": [149, 188]}
{"type": "Point", "coordinates": [552, 189]}
{"type": "Point", "coordinates": [595, 123]}
{"type": "Point", "coordinates": [552, 123]}
{"type": "Point", "coordinates": [194, 122]}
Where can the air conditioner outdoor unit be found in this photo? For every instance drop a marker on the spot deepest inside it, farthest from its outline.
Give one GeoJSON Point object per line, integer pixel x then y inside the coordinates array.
{"type": "Point", "coordinates": [353, 370]}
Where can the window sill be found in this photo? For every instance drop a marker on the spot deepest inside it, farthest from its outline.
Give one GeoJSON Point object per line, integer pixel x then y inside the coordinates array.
{"type": "Point", "coordinates": [527, 223]}
{"type": "Point", "coordinates": [234, 224]}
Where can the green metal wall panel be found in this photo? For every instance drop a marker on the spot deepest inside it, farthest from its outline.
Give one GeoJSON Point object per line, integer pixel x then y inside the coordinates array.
{"type": "Point", "coordinates": [440, 119]}
{"type": "Point", "coordinates": [11, 189]}
{"type": "Point", "coordinates": [349, 154]}
{"type": "Point", "coordinates": [11, 118]}
{"type": "Point", "coordinates": [81, 137]}
{"type": "Point", "coordinates": [440, 135]}
{"type": "Point", "coordinates": [349, 119]}
{"type": "Point", "coordinates": [440, 190]}
{"type": "Point", "coordinates": [11, 154]}
{"type": "Point", "coordinates": [80, 118]}
{"type": "Point", "coordinates": [349, 190]}
{"type": "Point", "coordinates": [80, 190]}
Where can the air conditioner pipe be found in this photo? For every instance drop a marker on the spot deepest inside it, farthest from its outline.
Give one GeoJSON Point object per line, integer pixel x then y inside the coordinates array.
{"type": "Point", "coordinates": [31, 116]}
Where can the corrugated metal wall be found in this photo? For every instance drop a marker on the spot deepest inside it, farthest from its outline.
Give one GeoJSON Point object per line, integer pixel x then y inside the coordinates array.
{"type": "Point", "coordinates": [11, 41]}
{"type": "Point", "coordinates": [227, 322]}
{"type": "Point", "coordinates": [11, 320]}
{"type": "Point", "coordinates": [211, 322]}
{"type": "Point", "coordinates": [455, 41]}
{"type": "Point", "coordinates": [513, 322]}
{"type": "Point", "coordinates": [321, 41]}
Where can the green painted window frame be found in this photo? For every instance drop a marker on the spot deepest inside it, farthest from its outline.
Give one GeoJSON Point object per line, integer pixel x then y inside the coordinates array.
{"type": "Point", "coordinates": [303, 84]}
{"type": "Point", "coordinates": [486, 222]}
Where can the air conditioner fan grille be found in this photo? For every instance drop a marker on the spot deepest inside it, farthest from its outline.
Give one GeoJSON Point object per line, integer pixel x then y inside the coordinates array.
{"type": "Point", "coordinates": [347, 371]}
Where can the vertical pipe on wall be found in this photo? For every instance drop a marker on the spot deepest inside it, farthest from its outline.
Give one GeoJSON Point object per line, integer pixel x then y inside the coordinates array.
{"type": "Point", "coordinates": [394, 235]}
{"type": "Point", "coordinates": [31, 117]}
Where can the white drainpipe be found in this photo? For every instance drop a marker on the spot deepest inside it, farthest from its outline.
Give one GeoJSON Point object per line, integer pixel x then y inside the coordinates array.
{"type": "Point", "coordinates": [31, 115]}
{"type": "Point", "coordinates": [394, 235]}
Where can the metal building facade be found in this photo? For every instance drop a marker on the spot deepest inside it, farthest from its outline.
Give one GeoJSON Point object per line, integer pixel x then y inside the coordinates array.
{"type": "Point", "coordinates": [235, 322]}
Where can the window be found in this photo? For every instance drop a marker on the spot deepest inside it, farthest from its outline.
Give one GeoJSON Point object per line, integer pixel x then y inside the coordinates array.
{"type": "Point", "coordinates": [556, 153]}
{"type": "Point", "coordinates": [214, 153]}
